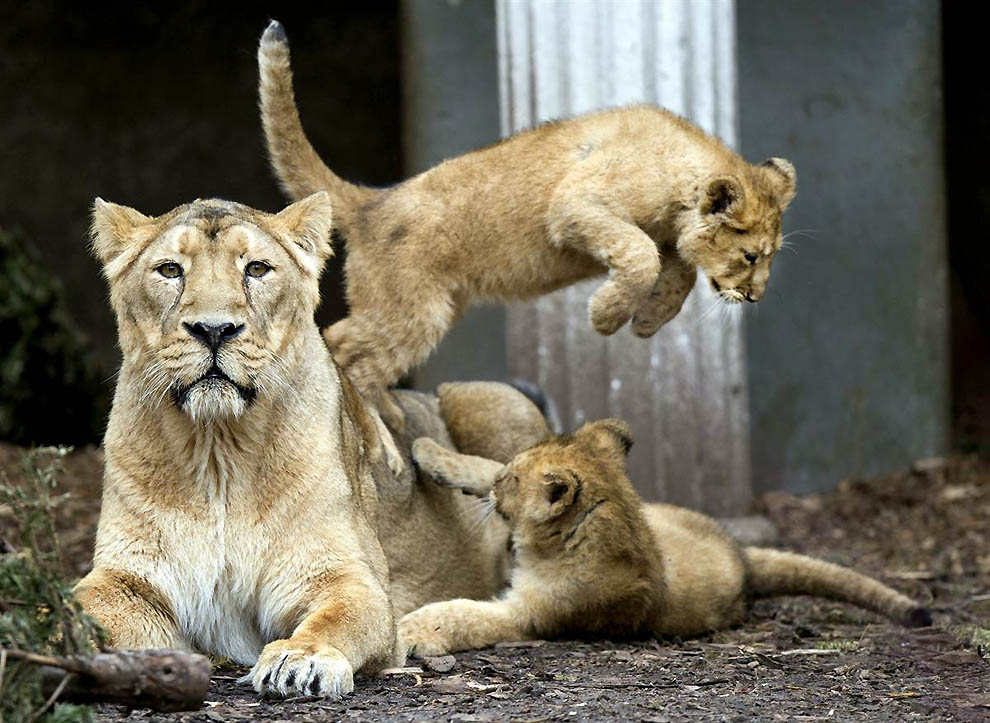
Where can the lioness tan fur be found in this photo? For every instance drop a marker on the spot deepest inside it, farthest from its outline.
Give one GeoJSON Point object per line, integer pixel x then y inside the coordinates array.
{"type": "Point", "coordinates": [240, 503]}
{"type": "Point", "coordinates": [591, 559]}
{"type": "Point", "coordinates": [639, 193]}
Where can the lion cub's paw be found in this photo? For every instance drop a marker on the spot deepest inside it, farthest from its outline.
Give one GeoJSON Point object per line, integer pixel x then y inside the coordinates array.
{"type": "Point", "coordinates": [393, 457]}
{"type": "Point", "coordinates": [286, 668]}
{"type": "Point", "coordinates": [423, 633]}
{"type": "Point", "coordinates": [608, 310]}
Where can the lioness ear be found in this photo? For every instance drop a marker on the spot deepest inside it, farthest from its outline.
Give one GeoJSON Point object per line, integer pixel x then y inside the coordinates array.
{"type": "Point", "coordinates": [561, 489]}
{"type": "Point", "coordinates": [608, 434]}
{"type": "Point", "coordinates": [783, 178]}
{"type": "Point", "coordinates": [722, 194]}
{"type": "Point", "coordinates": [309, 223]}
{"type": "Point", "coordinates": [470, 474]}
{"type": "Point", "coordinates": [113, 228]}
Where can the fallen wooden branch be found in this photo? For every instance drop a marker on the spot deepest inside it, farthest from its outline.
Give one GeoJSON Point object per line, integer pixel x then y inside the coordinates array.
{"type": "Point", "coordinates": [163, 680]}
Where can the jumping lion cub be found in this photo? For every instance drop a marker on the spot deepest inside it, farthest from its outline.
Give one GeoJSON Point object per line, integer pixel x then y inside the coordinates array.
{"type": "Point", "coordinates": [638, 193]}
{"type": "Point", "coordinates": [592, 559]}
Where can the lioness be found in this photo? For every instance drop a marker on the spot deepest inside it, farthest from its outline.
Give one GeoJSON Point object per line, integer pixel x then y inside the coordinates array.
{"type": "Point", "coordinates": [638, 193]}
{"type": "Point", "coordinates": [245, 484]}
{"type": "Point", "coordinates": [591, 559]}
{"type": "Point", "coordinates": [240, 505]}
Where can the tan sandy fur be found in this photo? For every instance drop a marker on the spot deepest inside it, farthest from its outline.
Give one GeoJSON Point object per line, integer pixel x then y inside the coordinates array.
{"type": "Point", "coordinates": [637, 193]}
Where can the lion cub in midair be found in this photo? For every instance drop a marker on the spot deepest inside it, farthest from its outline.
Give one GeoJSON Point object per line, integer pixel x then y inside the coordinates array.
{"type": "Point", "coordinates": [592, 559]}
{"type": "Point", "coordinates": [638, 193]}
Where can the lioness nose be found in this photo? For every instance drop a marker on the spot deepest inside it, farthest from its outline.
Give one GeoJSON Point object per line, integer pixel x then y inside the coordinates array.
{"type": "Point", "coordinates": [213, 335]}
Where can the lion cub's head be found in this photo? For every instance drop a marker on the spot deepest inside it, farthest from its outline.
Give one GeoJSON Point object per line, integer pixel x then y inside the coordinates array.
{"type": "Point", "coordinates": [735, 230]}
{"type": "Point", "coordinates": [547, 492]}
{"type": "Point", "coordinates": [211, 297]}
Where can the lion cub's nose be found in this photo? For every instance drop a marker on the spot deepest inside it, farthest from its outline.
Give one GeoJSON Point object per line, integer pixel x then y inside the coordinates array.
{"type": "Point", "coordinates": [213, 335]}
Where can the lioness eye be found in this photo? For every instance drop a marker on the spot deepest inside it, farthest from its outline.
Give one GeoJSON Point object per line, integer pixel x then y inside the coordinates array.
{"type": "Point", "coordinates": [257, 269]}
{"type": "Point", "coordinates": [169, 269]}
{"type": "Point", "coordinates": [750, 256]}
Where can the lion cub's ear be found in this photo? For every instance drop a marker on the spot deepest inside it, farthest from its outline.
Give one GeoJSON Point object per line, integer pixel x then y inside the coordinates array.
{"type": "Point", "coordinates": [783, 179]}
{"type": "Point", "coordinates": [113, 228]}
{"type": "Point", "coordinates": [607, 435]}
{"type": "Point", "coordinates": [722, 195]}
{"type": "Point", "coordinates": [309, 222]}
{"type": "Point", "coordinates": [561, 489]}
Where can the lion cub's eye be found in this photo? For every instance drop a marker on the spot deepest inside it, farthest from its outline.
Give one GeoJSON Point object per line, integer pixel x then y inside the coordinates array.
{"type": "Point", "coordinates": [257, 269]}
{"type": "Point", "coordinates": [169, 269]}
{"type": "Point", "coordinates": [750, 256]}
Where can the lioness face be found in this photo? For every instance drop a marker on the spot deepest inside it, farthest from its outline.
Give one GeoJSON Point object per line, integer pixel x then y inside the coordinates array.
{"type": "Point", "coordinates": [212, 296]}
{"type": "Point", "coordinates": [737, 230]}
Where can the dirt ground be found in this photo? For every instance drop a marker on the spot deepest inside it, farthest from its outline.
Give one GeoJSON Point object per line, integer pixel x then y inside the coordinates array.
{"type": "Point", "coordinates": [924, 531]}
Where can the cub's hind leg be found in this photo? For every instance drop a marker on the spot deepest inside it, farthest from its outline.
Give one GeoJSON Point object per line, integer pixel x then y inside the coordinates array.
{"type": "Point", "coordinates": [629, 254]}
{"type": "Point", "coordinates": [677, 278]}
{"type": "Point", "coordinates": [135, 614]}
{"type": "Point", "coordinates": [378, 344]}
{"type": "Point", "coordinates": [446, 627]}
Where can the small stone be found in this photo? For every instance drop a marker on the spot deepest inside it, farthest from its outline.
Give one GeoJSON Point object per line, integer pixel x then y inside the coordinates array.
{"type": "Point", "coordinates": [929, 465]}
{"type": "Point", "coordinates": [440, 663]}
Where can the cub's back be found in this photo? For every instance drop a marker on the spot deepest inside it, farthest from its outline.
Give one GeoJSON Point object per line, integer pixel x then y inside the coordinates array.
{"type": "Point", "coordinates": [703, 570]}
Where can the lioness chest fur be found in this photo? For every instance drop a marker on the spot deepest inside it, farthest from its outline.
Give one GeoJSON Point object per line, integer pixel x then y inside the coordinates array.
{"type": "Point", "coordinates": [638, 193]}
{"type": "Point", "coordinates": [591, 559]}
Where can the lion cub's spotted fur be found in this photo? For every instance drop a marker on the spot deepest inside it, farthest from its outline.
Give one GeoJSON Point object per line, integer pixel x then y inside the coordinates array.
{"type": "Point", "coordinates": [639, 193]}
{"type": "Point", "coordinates": [591, 559]}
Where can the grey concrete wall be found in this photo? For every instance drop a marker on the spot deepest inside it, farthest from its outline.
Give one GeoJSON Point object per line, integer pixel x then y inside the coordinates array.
{"type": "Point", "coordinates": [848, 352]}
{"type": "Point", "coordinates": [450, 105]}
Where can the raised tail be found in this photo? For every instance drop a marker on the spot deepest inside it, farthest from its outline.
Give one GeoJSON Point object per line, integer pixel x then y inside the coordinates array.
{"type": "Point", "coordinates": [298, 167]}
{"type": "Point", "coordinates": [775, 572]}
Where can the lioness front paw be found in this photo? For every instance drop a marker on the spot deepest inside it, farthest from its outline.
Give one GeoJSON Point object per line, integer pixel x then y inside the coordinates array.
{"type": "Point", "coordinates": [286, 668]}
{"type": "Point", "coordinates": [424, 634]}
{"type": "Point", "coordinates": [608, 310]}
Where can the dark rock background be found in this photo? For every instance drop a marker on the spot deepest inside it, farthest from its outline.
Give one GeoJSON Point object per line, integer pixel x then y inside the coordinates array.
{"type": "Point", "coordinates": [154, 104]}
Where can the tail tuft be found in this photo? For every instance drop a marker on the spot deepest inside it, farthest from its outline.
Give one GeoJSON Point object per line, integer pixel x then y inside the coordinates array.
{"type": "Point", "coordinates": [299, 169]}
{"type": "Point", "coordinates": [274, 33]}
{"type": "Point", "coordinates": [918, 618]}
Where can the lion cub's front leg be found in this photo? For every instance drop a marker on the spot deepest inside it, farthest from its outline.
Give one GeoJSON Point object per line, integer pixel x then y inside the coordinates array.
{"type": "Point", "coordinates": [347, 627]}
{"type": "Point", "coordinates": [629, 254]}
{"type": "Point", "coordinates": [446, 627]}
{"type": "Point", "coordinates": [677, 278]}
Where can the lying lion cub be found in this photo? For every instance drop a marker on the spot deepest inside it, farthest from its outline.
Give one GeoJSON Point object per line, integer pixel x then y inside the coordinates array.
{"type": "Point", "coordinates": [592, 559]}
{"type": "Point", "coordinates": [240, 508]}
{"type": "Point", "coordinates": [638, 193]}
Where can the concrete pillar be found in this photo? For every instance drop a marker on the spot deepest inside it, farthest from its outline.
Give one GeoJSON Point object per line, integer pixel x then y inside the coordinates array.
{"type": "Point", "coordinates": [449, 106]}
{"type": "Point", "coordinates": [684, 390]}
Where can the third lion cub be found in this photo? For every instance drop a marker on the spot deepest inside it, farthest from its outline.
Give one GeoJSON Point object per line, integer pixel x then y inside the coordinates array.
{"type": "Point", "coordinates": [592, 559]}
{"type": "Point", "coordinates": [638, 193]}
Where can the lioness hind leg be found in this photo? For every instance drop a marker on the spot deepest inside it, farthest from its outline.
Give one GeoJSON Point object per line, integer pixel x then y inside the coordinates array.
{"type": "Point", "coordinates": [446, 627]}
{"type": "Point", "coordinates": [135, 614]}
{"type": "Point", "coordinates": [470, 474]}
{"type": "Point", "coordinates": [675, 282]}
